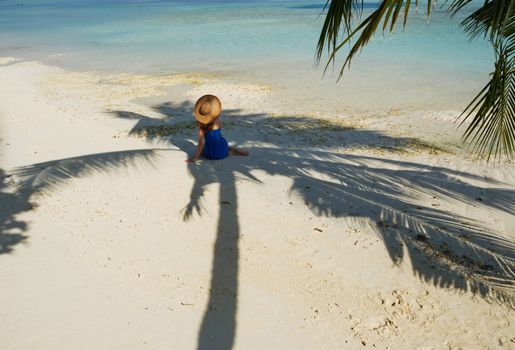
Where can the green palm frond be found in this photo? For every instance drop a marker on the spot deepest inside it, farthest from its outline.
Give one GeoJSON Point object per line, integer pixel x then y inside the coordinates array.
{"type": "Point", "coordinates": [388, 12]}
{"type": "Point", "coordinates": [494, 18]}
{"type": "Point", "coordinates": [457, 5]}
{"type": "Point", "coordinates": [492, 130]}
{"type": "Point", "coordinates": [339, 16]}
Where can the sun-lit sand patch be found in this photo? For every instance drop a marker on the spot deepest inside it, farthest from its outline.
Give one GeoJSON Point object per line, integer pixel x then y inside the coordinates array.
{"type": "Point", "coordinates": [340, 231]}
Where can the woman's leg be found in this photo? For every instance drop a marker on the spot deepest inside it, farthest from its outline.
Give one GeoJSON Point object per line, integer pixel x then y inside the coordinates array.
{"type": "Point", "coordinates": [233, 151]}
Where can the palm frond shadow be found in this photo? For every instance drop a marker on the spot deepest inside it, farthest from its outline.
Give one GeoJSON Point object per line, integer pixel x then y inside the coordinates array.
{"type": "Point", "coordinates": [302, 131]}
{"type": "Point", "coordinates": [446, 249]}
{"type": "Point", "coordinates": [11, 204]}
{"type": "Point", "coordinates": [17, 197]}
{"type": "Point", "coordinates": [49, 175]}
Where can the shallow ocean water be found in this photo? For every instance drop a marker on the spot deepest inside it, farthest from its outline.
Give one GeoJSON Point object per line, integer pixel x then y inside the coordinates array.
{"type": "Point", "coordinates": [429, 65]}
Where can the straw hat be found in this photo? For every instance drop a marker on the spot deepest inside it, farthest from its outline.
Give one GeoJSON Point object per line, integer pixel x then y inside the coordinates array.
{"type": "Point", "coordinates": [207, 108]}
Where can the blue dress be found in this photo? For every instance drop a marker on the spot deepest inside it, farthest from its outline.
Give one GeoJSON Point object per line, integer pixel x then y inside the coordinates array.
{"type": "Point", "coordinates": [215, 146]}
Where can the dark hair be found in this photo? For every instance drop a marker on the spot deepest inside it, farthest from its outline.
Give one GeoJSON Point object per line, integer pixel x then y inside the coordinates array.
{"type": "Point", "coordinates": [206, 127]}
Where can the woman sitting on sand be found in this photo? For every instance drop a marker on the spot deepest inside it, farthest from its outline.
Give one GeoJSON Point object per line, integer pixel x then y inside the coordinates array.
{"type": "Point", "coordinates": [211, 143]}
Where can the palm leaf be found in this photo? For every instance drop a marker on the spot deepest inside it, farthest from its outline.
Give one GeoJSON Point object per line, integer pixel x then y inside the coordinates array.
{"type": "Point", "coordinates": [388, 12]}
{"type": "Point", "coordinates": [492, 130]}
{"type": "Point", "coordinates": [457, 5]}
{"type": "Point", "coordinates": [339, 16]}
{"type": "Point", "coordinates": [494, 18]}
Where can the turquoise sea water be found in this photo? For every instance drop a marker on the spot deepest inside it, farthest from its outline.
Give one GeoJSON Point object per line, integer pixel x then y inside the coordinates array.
{"type": "Point", "coordinates": [269, 41]}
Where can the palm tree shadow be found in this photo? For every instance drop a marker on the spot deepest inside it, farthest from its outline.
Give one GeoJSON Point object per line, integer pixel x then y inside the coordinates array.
{"type": "Point", "coordinates": [445, 249]}
{"type": "Point", "coordinates": [218, 327]}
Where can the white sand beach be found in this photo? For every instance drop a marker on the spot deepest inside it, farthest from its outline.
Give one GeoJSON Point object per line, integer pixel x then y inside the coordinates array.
{"type": "Point", "coordinates": [337, 232]}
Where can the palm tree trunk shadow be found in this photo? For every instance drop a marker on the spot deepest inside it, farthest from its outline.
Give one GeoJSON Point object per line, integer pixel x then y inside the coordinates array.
{"type": "Point", "coordinates": [218, 327]}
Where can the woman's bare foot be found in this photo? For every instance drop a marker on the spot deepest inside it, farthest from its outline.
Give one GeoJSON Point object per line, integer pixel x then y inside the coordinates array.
{"type": "Point", "coordinates": [233, 151]}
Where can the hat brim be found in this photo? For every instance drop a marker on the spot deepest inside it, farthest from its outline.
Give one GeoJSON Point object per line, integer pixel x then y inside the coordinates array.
{"type": "Point", "coordinates": [205, 119]}
{"type": "Point", "coordinates": [215, 110]}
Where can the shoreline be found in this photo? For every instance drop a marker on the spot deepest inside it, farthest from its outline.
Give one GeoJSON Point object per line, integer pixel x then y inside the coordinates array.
{"type": "Point", "coordinates": [327, 96]}
{"type": "Point", "coordinates": [334, 233]}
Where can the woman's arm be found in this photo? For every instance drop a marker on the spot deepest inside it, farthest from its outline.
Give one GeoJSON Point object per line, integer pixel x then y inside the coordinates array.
{"type": "Point", "coordinates": [200, 147]}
